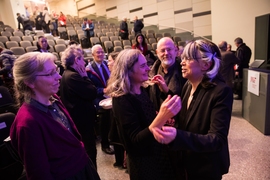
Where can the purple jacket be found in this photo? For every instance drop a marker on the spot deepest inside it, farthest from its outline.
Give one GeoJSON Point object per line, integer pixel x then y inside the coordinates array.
{"type": "Point", "coordinates": [47, 149]}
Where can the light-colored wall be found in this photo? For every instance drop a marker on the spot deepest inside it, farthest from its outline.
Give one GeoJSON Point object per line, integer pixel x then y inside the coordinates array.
{"type": "Point", "coordinates": [236, 18]}
{"type": "Point", "coordinates": [8, 10]}
{"type": "Point", "coordinates": [65, 6]}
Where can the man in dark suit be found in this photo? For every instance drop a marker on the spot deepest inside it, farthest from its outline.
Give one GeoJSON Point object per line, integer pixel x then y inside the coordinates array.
{"type": "Point", "coordinates": [243, 53]}
{"type": "Point", "coordinates": [228, 60]}
{"type": "Point", "coordinates": [99, 73]}
{"type": "Point", "coordinates": [123, 32]}
{"type": "Point", "coordinates": [25, 22]}
{"type": "Point", "coordinates": [138, 26]}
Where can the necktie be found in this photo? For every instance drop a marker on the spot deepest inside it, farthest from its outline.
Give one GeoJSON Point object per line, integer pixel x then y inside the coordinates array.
{"type": "Point", "coordinates": [104, 72]}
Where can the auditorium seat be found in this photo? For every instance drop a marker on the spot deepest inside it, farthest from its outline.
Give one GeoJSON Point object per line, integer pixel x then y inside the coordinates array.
{"type": "Point", "coordinates": [15, 38]}
{"type": "Point", "coordinates": [10, 44]}
{"type": "Point", "coordinates": [18, 51]}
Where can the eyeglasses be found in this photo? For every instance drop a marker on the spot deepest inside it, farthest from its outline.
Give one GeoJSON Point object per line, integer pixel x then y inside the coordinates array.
{"type": "Point", "coordinates": [54, 72]}
{"type": "Point", "coordinates": [187, 60]}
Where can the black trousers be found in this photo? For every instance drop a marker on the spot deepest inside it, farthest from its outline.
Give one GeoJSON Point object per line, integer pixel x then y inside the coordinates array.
{"type": "Point", "coordinates": [104, 124]}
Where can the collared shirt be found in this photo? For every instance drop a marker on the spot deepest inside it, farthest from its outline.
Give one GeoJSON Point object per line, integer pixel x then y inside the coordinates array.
{"type": "Point", "coordinates": [101, 72]}
{"type": "Point", "coordinates": [54, 110]}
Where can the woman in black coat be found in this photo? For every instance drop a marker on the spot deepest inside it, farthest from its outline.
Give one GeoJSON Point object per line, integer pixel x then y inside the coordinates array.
{"type": "Point", "coordinates": [135, 117]}
{"type": "Point", "coordinates": [204, 119]}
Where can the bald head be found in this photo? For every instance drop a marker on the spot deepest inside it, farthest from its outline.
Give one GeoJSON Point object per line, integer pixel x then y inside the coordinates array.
{"type": "Point", "coordinates": [222, 45]}
{"type": "Point", "coordinates": [164, 40]}
{"type": "Point", "coordinates": [166, 52]}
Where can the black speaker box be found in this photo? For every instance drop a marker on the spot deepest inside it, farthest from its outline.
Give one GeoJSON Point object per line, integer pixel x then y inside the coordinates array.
{"type": "Point", "coordinates": [262, 39]}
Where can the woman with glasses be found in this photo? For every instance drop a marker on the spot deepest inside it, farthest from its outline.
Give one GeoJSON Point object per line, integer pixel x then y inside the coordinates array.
{"type": "Point", "coordinates": [204, 119]}
{"type": "Point", "coordinates": [136, 116]}
{"type": "Point", "coordinates": [43, 132]}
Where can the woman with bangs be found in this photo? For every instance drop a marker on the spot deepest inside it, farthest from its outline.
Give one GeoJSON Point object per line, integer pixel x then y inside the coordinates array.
{"type": "Point", "coordinates": [136, 116]}
{"type": "Point", "coordinates": [204, 119]}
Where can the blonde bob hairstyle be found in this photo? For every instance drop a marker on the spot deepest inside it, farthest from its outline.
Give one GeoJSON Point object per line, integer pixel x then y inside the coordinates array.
{"type": "Point", "coordinates": [119, 82]}
{"type": "Point", "coordinates": [25, 70]}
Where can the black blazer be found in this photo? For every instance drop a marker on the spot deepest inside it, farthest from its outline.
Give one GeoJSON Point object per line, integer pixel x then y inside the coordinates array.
{"type": "Point", "coordinates": [78, 94]}
{"type": "Point", "coordinates": [202, 133]}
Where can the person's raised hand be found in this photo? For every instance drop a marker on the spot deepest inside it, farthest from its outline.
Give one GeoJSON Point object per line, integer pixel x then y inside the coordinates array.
{"type": "Point", "coordinates": [159, 80]}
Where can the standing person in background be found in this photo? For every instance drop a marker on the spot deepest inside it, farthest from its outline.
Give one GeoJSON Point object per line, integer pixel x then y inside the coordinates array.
{"type": "Point", "coordinates": [27, 14]}
{"type": "Point", "coordinates": [25, 22]}
{"type": "Point", "coordinates": [42, 44]}
{"type": "Point", "coordinates": [228, 60]}
{"type": "Point", "coordinates": [62, 20]}
{"type": "Point", "coordinates": [135, 116]}
{"type": "Point", "coordinates": [88, 28]}
{"type": "Point", "coordinates": [55, 17]}
{"type": "Point", "coordinates": [205, 115]}
{"type": "Point", "coordinates": [78, 94]}
{"type": "Point", "coordinates": [140, 44]}
{"type": "Point", "coordinates": [37, 14]}
{"type": "Point", "coordinates": [229, 48]}
{"type": "Point", "coordinates": [20, 21]}
{"type": "Point", "coordinates": [243, 53]}
{"type": "Point", "coordinates": [120, 159]}
{"type": "Point", "coordinates": [46, 19]}
{"type": "Point", "coordinates": [169, 68]}
{"type": "Point", "coordinates": [43, 133]}
{"type": "Point", "coordinates": [99, 75]}
{"type": "Point", "coordinates": [123, 32]}
{"type": "Point", "coordinates": [138, 26]}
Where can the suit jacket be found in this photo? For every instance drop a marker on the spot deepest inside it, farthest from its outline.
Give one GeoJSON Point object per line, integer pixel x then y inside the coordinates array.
{"type": "Point", "coordinates": [78, 94]}
{"type": "Point", "coordinates": [95, 76]}
{"type": "Point", "coordinates": [138, 25]}
{"type": "Point", "coordinates": [243, 53]}
{"type": "Point", "coordinates": [203, 130]}
{"type": "Point", "coordinates": [20, 22]}
{"type": "Point", "coordinates": [228, 60]}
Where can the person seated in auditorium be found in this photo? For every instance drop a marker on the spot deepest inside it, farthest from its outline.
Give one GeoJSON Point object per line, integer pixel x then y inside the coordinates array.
{"type": "Point", "coordinates": [42, 44]}
{"type": "Point", "coordinates": [141, 45]}
{"type": "Point", "coordinates": [78, 94]}
{"type": "Point", "coordinates": [43, 133]}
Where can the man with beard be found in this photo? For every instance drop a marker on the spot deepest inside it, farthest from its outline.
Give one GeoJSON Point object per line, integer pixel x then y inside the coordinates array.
{"type": "Point", "coordinates": [169, 68]}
